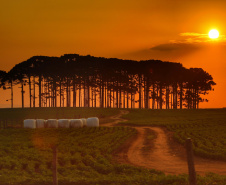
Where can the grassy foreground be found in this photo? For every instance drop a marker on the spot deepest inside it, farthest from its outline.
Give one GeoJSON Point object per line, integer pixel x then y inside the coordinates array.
{"type": "Point", "coordinates": [206, 127]}
{"type": "Point", "coordinates": [85, 155]}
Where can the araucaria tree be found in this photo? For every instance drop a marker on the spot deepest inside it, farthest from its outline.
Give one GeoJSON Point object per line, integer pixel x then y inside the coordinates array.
{"type": "Point", "coordinates": [86, 81]}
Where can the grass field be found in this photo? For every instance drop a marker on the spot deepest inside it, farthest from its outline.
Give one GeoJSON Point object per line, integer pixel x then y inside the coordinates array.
{"type": "Point", "coordinates": [85, 155]}
{"type": "Point", "coordinates": [206, 127]}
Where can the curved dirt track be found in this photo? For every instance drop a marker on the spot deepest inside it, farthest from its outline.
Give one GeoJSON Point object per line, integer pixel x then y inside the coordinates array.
{"type": "Point", "coordinates": [117, 118]}
{"type": "Point", "coordinates": [151, 149]}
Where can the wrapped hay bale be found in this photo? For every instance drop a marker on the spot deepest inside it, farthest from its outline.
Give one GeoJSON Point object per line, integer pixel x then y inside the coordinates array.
{"type": "Point", "coordinates": [93, 122]}
{"type": "Point", "coordinates": [29, 123]}
{"type": "Point", "coordinates": [40, 123]}
{"type": "Point", "coordinates": [74, 123]}
{"type": "Point", "coordinates": [84, 121]}
{"type": "Point", "coordinates": [52, 123]}
{"type": "Point", "coordinates": [45, 123]}
{"type": "Point", "coordinates": [63, 123]}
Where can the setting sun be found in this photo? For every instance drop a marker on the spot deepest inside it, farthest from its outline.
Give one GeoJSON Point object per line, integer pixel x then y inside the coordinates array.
{"type": "Point", "coordinates": [213, 34]}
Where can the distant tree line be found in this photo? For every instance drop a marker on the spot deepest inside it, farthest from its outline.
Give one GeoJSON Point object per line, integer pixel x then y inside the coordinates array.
{"type": "Point", "coordinates": [86, 81]}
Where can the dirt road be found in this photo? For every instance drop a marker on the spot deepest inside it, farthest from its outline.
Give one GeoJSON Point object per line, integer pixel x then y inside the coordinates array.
{"type": "Point", "coordinates": [151, 149]}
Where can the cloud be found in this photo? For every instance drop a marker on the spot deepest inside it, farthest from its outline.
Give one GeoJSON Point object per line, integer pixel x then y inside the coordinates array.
{"type": "Point", "coordinates": [189, 41]}
{"type": "Point", "coordinates": [176, 46]}
{"type": "Point", "coordinates": [191, 37]}
{"type": "Point", "coordinates": [174, 50]}
{"type": "Point", "coordinates": [193, 34]}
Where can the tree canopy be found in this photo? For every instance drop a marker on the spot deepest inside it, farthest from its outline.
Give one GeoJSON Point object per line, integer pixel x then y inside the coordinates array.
{"type": "Point", "coordinates": [73, 80]}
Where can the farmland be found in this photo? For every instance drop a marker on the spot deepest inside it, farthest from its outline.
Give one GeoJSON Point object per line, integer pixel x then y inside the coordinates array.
{"type": "Point", "coordinates": [15, 117]}
{"type": "Point", "coordinates": [206, 127]}
{"type": "Point", "coordinates": [85, 155]}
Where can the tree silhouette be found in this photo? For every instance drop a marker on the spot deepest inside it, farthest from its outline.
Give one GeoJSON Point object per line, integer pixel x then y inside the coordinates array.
{"type": "Point", "coordinates": [87, 81]}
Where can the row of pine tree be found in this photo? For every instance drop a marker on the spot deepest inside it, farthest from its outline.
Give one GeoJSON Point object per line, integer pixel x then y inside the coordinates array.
{"type": "Point", "coordinates": [86, 81]}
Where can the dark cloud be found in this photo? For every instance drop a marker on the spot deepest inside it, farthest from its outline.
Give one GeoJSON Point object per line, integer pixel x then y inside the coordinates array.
{"type": "Point", "coordinates": [171, 51]}
{"type": "Point", "coordinates": [177, 46]}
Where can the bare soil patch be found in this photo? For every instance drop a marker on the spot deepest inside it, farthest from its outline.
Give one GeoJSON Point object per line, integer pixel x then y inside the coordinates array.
{"type": "Point", "coordinates": [154, 148]}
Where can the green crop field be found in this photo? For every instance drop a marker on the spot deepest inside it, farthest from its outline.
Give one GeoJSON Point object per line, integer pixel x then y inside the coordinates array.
{"type": "Point", "coordinates": [85, 155]}
{"type": "Point", "coordinates": [206, 127]}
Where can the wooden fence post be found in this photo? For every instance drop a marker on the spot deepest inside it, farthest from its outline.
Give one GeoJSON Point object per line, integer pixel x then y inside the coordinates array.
{"type": "Point", "coordinates": [5, 123]}
{"type": "Point", "coordinates": [55, 180]}
{"type": "Point", "coordinates": [190, 159]}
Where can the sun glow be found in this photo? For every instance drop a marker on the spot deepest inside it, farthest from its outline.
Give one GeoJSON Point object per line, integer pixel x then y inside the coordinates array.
{"type": "Point", "coordinates": [213, 34]}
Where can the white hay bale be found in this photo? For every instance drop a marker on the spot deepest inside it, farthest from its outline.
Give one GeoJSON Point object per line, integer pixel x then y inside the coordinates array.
{"type": "Point", "coordinates": [29, 123]}
{"type": "Point", "coordinates": [76, 123]}
{"type": "Point", "coordinates": [52, 123]}
{"type": "Point", "coordinates": [93, 122]}
{"type": "Point", "coordinates": [45, 123]}
{"type": "Point", "coordinates": [40, 123]}
{"type": "Point", "coordinates": [63, 123]}
{"type": "Point", "coordinates": [84, 121]}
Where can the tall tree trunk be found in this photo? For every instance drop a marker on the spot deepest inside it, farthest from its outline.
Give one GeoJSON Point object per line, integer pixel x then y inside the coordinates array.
{"type": "Point", "coordinates": [194, 98]}
{"type": "Point", "coordinates": [171, 100]}
{"type": "Point", "coordinates": [110, 95]}
{"type": "Point", "coordinates": [95, 97]}
{"type": "Point", "coordinates": [60, 93]}
{"type": "Point", "coordinates": [22, 93]}
{"type": "Point", "coordinates": [113, 100]}
{"type": "Point", "coordinates": [69, 95]}
{"type": "Point", "coordinates": [175, 96]}
{"type": "Point", "coordinates": [92, 98]}
{"type": "Point", "coordinates": [157, 95]}
{"type": "Point", "coordinates": [160, 95]}
{"type": "Point", "coordinates": [102, 94]}
{"type": "Point", "coordinates": [52, 95]}
{"type": "Point", "coordinates": [133, 100]}
{"type": "Point", "coordinates": [117, 98]}
{"type": "Point", "coordinates": [63, 98]}
{"type": "Point", "coordinates": [86, 94]}
{"type": "Point", "coordinates": [43, 94]}
{"type": "Point", "coordinates": [49, 94]}
{"type": "Point", "coordinates": [140, 92]}
{"type": "Point", "coordinates": [127, 99]}
{"type": "Point", "coordinates": [79, 93]}
{"type": "Point", "coordinates": [147, 90]}
{"type": "Point", "coordinates": [106, 94]}
{"type": "Point", "coordinates": [46, 92]}
{"type": "Point", "coordinates": [11, 94]}
{"type": "Point", "coordinates": [29, 83]}
{"type": "Point", "coordinates": [124, 98]}
{"type": "Point", "coordinates": [34, 91]}
{"type": "Point", "coordinates": [55, 93]}
{"type": "Point", "coordinates": [181, 95]}
{"type": "Point", "coordinates": [40, 90]}
{"type": "Point", "coordinates": [167, 96]}
{"type": "Point", "coordinates": [74, 92]}
{"type": "Point", "coordinates": [120, 95]}
{"type": "Point", "coordinates": [197, 101]}
{"type": "Point", "coordinates": [67, 92]}
{"type": "Point", "coordinates": [153, 96]}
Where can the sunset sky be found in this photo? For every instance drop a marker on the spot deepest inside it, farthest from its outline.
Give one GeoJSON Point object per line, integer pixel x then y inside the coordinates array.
{"type": "Point", "coordinates": [170, 30]}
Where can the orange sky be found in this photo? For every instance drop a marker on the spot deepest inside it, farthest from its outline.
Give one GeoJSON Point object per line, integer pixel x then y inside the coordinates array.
{"type": "Point", "coordinates": [129, 29]}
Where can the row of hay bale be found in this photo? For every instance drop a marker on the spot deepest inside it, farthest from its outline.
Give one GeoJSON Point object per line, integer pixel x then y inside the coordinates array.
{"type": "Point", "coordinates": [61, 123]}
